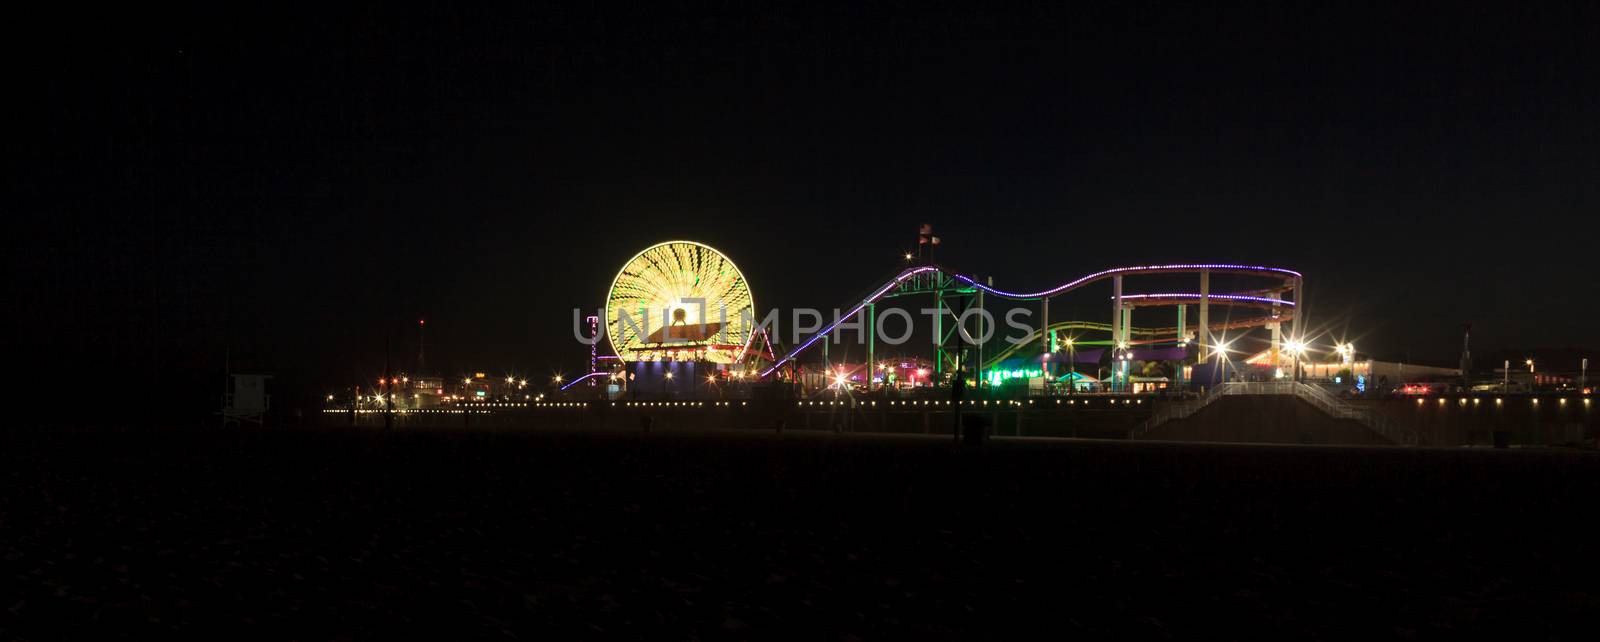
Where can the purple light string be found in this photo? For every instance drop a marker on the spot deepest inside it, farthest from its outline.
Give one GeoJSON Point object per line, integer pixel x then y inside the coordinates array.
{"type": "Point", "coordinates": [1071, 285]}
{"type": "Point", "coordinates": [574, 382]}
{"type": "Point", "coordinates": [853, 312]}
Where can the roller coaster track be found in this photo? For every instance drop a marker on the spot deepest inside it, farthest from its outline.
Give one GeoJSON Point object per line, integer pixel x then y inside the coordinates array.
{"type": "Point", "coordinates": [1170, 331]}
{"type": "Point", "coordinates": [1289, 277]}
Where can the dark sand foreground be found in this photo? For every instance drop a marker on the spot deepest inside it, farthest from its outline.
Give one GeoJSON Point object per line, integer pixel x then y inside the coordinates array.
{"type": "Point", "coordinates": [366, 535]}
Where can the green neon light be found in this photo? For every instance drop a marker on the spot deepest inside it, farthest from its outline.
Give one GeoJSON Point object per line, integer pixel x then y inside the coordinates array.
{"type": "Point", "coordinates": [998, 376]}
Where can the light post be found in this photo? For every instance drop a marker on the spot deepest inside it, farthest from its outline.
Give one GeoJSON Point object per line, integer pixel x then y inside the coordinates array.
{"type": "Point", "coordinates": [1222, 359]}
{"type": "Point", "coordinates": [1583, 375]}
{"type": "Point", "coordinates": [1295, 348]}
{"type": "Point", "coordinates": [1072, 368]}
{"type": "Point", "coordinates": [1532, 381]}
{"type": "Point", "coordinates": [1044, 373]}
{"type": "Point", "coordinates": [664, 379]}
{"type": "Point", "coordinates": [1505, 377]}
{"type": "Point", "coordinates": [1127, 371]}
{"type": "Point", "coordinates": [1347, 358]}
{"type": "Point", "coordinates": [1119, 364]}
{"type": "Point", "coordinates": [1183, 342]}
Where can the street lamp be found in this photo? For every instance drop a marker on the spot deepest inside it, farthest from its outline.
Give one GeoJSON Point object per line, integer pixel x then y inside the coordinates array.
{"type": "Point", "coordinates": [1295, 349]}
{"type": "Point", "coordinates": [1222, 356]}
{"type": "Point", "coordinates": [1119, 366]}
{"type": "Point", "coordinates": [1072, 368]}
{"type": "Point", "coordinates": [1347, 357]}
{"type": "Point", "coordinates": [1532, 380]}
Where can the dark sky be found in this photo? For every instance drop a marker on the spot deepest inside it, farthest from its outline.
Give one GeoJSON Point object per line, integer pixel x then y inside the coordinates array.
{"type": "Point", "coordinates": [284, 186]}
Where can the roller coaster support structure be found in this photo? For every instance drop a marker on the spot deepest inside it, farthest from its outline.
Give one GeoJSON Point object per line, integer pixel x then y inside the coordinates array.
{"type": "Point", "coordinates": [950, 297]}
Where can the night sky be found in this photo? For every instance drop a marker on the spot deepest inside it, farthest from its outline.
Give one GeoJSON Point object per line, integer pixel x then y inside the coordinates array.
{"type": "Point", "coordinates": [287, 187]}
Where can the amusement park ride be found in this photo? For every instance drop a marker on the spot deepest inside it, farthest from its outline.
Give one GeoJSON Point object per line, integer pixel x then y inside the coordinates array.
{"type": "Point", "coordinates": [680, 281]}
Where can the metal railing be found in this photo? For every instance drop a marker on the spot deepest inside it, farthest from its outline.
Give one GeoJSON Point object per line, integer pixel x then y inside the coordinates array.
{"type": "Point", "coordinates": [1321, 399]}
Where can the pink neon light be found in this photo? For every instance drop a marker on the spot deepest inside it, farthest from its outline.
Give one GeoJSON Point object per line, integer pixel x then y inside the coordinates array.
{"type": "Point", "coordinates": [1196, 295]}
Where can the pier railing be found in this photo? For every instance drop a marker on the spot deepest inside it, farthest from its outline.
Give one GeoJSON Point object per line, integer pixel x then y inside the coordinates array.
{"type": "Point", "coordinates": [1321, 399]}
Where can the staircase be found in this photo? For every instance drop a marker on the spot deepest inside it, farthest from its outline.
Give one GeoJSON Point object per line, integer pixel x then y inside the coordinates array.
{"type": "Point", "coordinates": [1321, 399]}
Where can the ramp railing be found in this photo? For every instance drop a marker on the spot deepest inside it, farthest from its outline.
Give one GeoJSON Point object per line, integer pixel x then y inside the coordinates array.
{"type": "Point", "coordinates": [1321, 399]}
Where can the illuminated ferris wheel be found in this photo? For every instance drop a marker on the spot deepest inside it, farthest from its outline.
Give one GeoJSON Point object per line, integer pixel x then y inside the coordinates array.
{"type": "Point", "coordinates": [679, 300]}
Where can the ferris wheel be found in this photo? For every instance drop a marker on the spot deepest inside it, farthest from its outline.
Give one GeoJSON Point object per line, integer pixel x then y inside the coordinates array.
{"type": "Point", "coordinates": [679, 300]}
